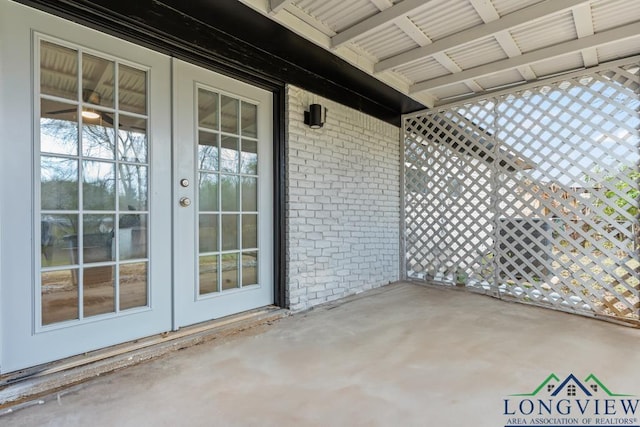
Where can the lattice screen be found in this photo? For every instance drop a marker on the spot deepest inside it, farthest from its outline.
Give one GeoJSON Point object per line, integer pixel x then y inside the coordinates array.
{"type": "Point", "coordinates": [531, 195]}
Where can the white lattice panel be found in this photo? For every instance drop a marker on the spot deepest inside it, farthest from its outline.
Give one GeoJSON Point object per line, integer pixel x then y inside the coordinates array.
{"type": "Point", "coordinates": [533, 194]}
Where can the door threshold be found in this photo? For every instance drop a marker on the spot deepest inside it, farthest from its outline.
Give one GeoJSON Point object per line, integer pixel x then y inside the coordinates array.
{"type": "Point", "coordinates": [21, 388]}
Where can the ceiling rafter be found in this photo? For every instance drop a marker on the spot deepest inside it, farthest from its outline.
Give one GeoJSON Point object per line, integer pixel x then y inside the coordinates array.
{"type": "Point", "coordinates": [276, 6]}
{"type": "Point", "coordinates": [382, 4]}
{"type": "Point", "coordinates": [605, 37]}
{"type": "Point", "coordinates": [583, 21]}
{"type": "Point", "coordinates": [488, 13]}
{"type": "Point", "coordinates": [520, 17]}
{"type": "Point", "coordinates": [397, 11]}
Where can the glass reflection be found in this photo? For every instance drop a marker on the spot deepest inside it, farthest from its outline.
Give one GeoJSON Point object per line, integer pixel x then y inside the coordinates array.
{"type": "Point", "coordinates": [207, 109]}
{"type": "Point", "coordinates": [98, 139]}
{"type": "Point", "coordinates": [132, 85]}
{"type": "Point", "coordinates": [207, 151]}
{"type": "Point", "coordinates": [208, 233]}
{"type": "Point", "coordinates": [98, 185]}
{"type": "Point", "coordinates": [249, 268]}
{"type": "Point", "coordinates": [208, 192]}
{"type": "Point", "coordinates": [229, 232]}
{"type": "Point", "coordinates": [132, 236]}
{"type": "Point", "coordinates": [58, 183]}
{"type": "Point", "coordinates": [249, 120]}
{"type": "Point", "coordinates": [133, 187]}
{"type": "Point", "coordinates": [98, 291]}
{"type": "Point", "coordinates": [229, 156]}
{"type": "Point", "coordinates": [132, 139]}
{"type": "Point", "coordinates": [58, 127]}
{"type": "Point", "coordinates": [58, 71]}
{"type": "Point", "coordinates": [133, 285]}
{"type": "Point", "coordinates": [249, 194]}
{"type": "Point", "coordinates": [249, 159]}
{"type": "Point", "coordinates": [229, 188]}
{"type": "Point", "coordinates": [97, 238]}
{"type": "Point", "coordinates": [208, 274]}
{"type": "Point", "coordinates": [230, 270]}
{"type": "Point", "coordinates": [229, 114]}
{"type": "Point", "coordinates": [59, 296]}
{"type": "Point", "coordinates": [249, 231]}
{"type": "Point", "coordinates": [97, 80]}
{"type": "Point", "coordinates": [54, 239]}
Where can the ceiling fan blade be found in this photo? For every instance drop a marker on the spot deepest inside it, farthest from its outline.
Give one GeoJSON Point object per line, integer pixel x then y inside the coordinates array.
{"type": "Point", "coordinates": [107, 118]}
{"type": "Point", "coordinates": [68, 110]}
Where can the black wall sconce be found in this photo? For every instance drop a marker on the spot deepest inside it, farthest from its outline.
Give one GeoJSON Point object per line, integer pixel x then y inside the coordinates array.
{"type": "Point", "coordinates": [315, 117]}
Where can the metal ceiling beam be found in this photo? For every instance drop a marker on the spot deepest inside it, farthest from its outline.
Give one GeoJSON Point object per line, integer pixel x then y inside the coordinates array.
{"type": "Point", "coordinates": [612, 35]}
{"type": "Point", "coordinates": [398, 10]}
{"type": "Point", "coordinates": [583, 21]}
{"type": "Point", "coordinates": [276, 6]}
{"type": "Point", "coordinates": [520, 17]}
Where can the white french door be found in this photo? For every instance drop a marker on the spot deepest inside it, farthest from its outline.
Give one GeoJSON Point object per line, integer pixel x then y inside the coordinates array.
{"type": "Point", "coordinates": [223, 195]}
{"type": "Point", "coordinates": [115, 222]}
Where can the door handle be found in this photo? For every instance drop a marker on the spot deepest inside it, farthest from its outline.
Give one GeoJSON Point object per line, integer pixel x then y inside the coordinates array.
{"type": "Point", "coordinates": [185, 201]}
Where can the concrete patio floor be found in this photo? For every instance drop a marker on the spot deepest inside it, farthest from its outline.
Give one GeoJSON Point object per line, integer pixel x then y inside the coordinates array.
{"type": "Point", "coordinates": [401, 355]}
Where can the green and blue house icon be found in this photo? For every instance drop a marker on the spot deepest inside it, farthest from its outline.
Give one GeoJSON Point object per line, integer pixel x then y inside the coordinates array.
{"type": "Point", "coordinates": [572, 387]}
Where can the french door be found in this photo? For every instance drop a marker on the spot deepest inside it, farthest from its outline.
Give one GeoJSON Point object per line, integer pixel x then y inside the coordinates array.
{"type": "Point", "coordinates": [223, 195]}
{"type": "Point", "coordinates": [117, 222]}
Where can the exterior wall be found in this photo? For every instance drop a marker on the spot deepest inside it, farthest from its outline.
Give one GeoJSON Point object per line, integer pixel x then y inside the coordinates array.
{"type": "Point", "coordinates": [342, 202]}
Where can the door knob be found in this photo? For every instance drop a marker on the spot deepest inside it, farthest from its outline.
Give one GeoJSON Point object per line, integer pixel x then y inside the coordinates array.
{"type": "Point", "coordinates": [185, 201]}
{"type": "Point", "coordinates": [184, 182]}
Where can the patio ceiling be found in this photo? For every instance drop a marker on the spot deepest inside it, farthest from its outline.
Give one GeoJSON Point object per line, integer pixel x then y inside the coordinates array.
{"type": "Point", "coordinates": [437, 51]}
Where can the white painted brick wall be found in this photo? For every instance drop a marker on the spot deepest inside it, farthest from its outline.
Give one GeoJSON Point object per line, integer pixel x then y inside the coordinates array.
{"type": "Point", "coordinates": [343, 203]}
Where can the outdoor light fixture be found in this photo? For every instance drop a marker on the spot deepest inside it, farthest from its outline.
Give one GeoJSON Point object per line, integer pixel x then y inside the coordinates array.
{"type": "Point", "coordinates": [315, 117]}
{"type": "Point", "coordinates": [90, 113]}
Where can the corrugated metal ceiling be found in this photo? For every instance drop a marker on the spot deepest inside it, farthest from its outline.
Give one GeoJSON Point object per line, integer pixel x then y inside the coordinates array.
{"type": "Point", "coordinates": [434, 50]}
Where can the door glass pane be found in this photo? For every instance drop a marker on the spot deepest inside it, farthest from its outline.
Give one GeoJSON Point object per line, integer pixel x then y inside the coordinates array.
{"type": "Point", "coordinates": [98, 139]}
{"type": "Point", "coordinates": [249, 194]}
{"type": "Point", "coordinates": [132, 236]}
{"type": "Point", "coordinates": [230, 196]}
{"type": "Point", "coordinates": [59, 296]}
{"type": "Point", "coordinates": [59, 183]}
{"type": "Point", "coordinates": [78, 182]}
{"type": "Point", "coordinates": [98, 291]}
{"type": "Point", "coordinates": [97, 238]}
{"type": "Point", "coordinates": [132, 139]}
{"type": "Point", "coordinates": [249, 231]}
{"type": "Point", "coordinates": [249, 120]}
{"type": "Point", "coordinates": [97, 80]}
{"type": "Point", "coordinates": [229, 114]}
{"type": "Point", "coordinates": [98, 186]}
{"type": "Point", "coordinates": [229, 155]}
{"type": "Point", "coordinates": [249, 159]}
{"type": "Point", "coordinates": [230, 271]}
{"type": "Point", "coordinates": [58, 127]}
{"type": "Point", "coordinates": [249, 268]}
{"type": "Point", "coordinates": [207, 109]}
{"type": "Point", "coordinates": [208, 233]}
{"type": "Point", "coordinates": [208, 192]}
{"type": "Point", "coordinates": [132, 85]}
{"type": "Point", "coordinates": [133, 187]}
{"type": "Point", "coordinates": [55, 232]}
{"type": "Point", "coordinates": [207, 151]}
{"type": "Point", "coordinates": [58, 71]}
{"type": "Point", "coordinates": [133, 285]}
{"type": "Point", "coordinates": [208, 267]}
{"type": "Point", "coordinates": [229, 232]}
